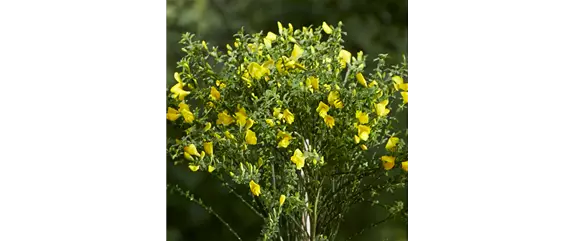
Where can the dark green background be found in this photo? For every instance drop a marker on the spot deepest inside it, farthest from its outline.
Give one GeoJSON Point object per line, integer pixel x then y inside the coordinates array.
{"type": "Point", "coordinates": [372, 26]}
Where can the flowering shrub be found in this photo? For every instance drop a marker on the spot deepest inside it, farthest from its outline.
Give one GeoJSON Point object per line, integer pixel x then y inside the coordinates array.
{"type": "Point", "coordinates": [292, 116]}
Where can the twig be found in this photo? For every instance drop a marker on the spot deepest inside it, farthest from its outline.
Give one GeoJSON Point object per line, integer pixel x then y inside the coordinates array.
{"type": "Point", "coordinates": [200, 203]}
{"type": "Point", "coordinates": [369, 227]}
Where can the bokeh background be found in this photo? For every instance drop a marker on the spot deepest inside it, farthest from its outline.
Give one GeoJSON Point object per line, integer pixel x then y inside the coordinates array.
{"type": "Point", "coordinates": [372, 27]}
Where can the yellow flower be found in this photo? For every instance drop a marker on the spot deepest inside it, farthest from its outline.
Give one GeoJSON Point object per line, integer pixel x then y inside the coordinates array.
{"type": "Point", "coordinates": [187, 116]}
{"type": "Point", "coordinates": [344, 58]}
{"type": "Point", "coordinates": [210, 168]}
{"type": "Point", "coordinates": [187, 156]}
{"type": "Point", "coordinates": [249, 123]}
{"type": "Point", "coordinates": [405, 166]}
{"type": "Point", "coordinates": [298, 158]}
{"type": "Point", "coordinates": [357, 139]}
{"type": "Point", "coordinates": [207, 126]}
{"type": "Point", "coordinates": [277, 113]}
{"type": "Point", "coordinates": [288, 116]}
{"type": "Point", "coordinates": [208, 147]}
{"type": "Point", "coordinates": [255, 188]}
{"type": "Point", "coordinates": [229, 135]}
{"type": "Point", "coordinates": [270, 122]}
{"type": "Point", "coordinates": [250, 137]}
{"type": "Point", "coordinates": [405, 96]}
{"type": "Point", "coordinates": [285, 139]}
{"type": "Point", "coordinates": [194, 167]}
{"type": "Point", "coordinates": [361, 79]}
{"type": "Point", "coordinates": [271, 36]}
{"type": "Point", "coordinates": [220, 84]}
{"type": "Point", "coordinates": [280, 27]}
{"type": "Point", "coordinates": [296, 53]}
{"type": "Point", "coordinates": [381, 108]}
{"type": "Point", "coordinates": [177, 89]}
{"type": "Point", "coordinates": [215, 95]}
{"type": "Point", "coordinates": [333, 96]}
{"type": "Point", "coordinates": [388, 162]}
{"type": "Point", "coordinates": [204, 44]}
{"type": "Point", "coordinates": [183, 106]}
{"type": "Point", "coordinates": [362, 117]}
{"type": "Point", "coordinates": [191, 150]}
{"type": "Point", "coordinates": [326, 28]}
{"type": "Point", "coordinates": [313, 83]}
{"type": "Point", "coordinates": [281, 200]}
{"type": "Point", "coordinates": [364, 132]}
{"type": "Point", "coordinates": [329, 120]}
{"type": "Point", "coordinates": [257, 71]}
{"type": "Point", "coordinates": [399, 83]}
{"type": "Point", "coordinates": [172, 114]}
{"type": "Point", "coordinates": [241, 117]}
{"type": "Point", "coordinates": [202, 155]}
{"type": "Point", "coordinates": [364, 147]}
{"type": "Point", "coordinates": [338, 104]}
{"type": "Point", "coordinates": [392, 143]}
{"type": "Point", "coordinates": [322, 109]}
{"type": "Point", "coordinates": [210, 104]}
{"type": "Point", "coordinates": [224, 118]}
{"type": "Point", "coordinates": [373, 83]}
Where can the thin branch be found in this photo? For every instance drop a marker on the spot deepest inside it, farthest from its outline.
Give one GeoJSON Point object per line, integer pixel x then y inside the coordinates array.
{"type": "Point", "coordinates": [243, 200]}
{"type": "Point", "coordinates": [200, 203]}
{"type": "Point", "coordinates": [369, 227]}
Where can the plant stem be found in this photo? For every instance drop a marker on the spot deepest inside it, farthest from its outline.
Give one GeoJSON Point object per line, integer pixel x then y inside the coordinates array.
{"type": "Point", "coordinates": [200, 203]}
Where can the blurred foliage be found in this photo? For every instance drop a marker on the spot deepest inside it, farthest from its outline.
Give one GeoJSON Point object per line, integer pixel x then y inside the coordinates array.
{"type": "Point", "coordinates": [372, 26]}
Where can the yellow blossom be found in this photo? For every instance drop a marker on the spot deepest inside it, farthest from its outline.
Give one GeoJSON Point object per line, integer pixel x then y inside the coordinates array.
{"type": "Point", "coordinates": [392, 143]}
{"type": "Point", "coordinates": [208, 147]}
{"type": "Point", "coordinates": [388, 162]}
{"type": "Point", "coordinates": [204, 44]}
{"type": "Point", "coordinates": [373, 83]}
{"type": "Point", "coordinates": [172, 114]}
{"type": "Point", "coordinates": [297, 52]}
{"type": "Point", "coordinates": [362, 117]}
{"type": "Point", "coordinates": [313, 83]}
{"type": "Point", "coordinates": [224, 118]}
{"type": "Point", "coordinates": [381, 108]}
{"type": "Point", "coordinates": [177, 89]}
{"type": "Point", "coordinates": [333, 96]}
{"type": "Point", "coordinates": [187, 156]}
{"type": "Point", "coordinates": [338, 104]}
{"type": "Point", "coordinates": [322, 109]}
{"type": "Point", "coordinates": [187, 116]}
{"type": "Point", "coordinates": [364, 132]}
{"type": "Point", "coordinates": [257, 71]}
{"type": "Point", "coordinates": [285, 139]}
{"type": "Point", "coordinates": [405, 166]}
{"type": "Point", "coordinates": [281, 200]}
{"type": "Point", "coordinates": [241, 117]}
{"type": "Point", "coordinates": [270, 122]}
{"type": "Point", "coordinates": [329, 120]}
{"type": "Point", "coordinates": [250, 137]}
{"type": "Point", "coordinates": [255, 188]}
{"type": "Point", "coordinates": [357, 139]}
{"type": "Point", "coordinates": [207, 126]}
{"type": "Point", "coordinates": [364, 147]}
{"type": "Point", "coordinates": [399, 83]}
{"type": "Point", "coordinates": [288, 116]}
{"type": "Point", "coordinates": [277, 113]}
{"type": "Point", "coordinates": [183, 106]}
{"type": "Point", "coordinates": [405, 96]}
{"type": "Point", "coordinates": [210, 104]}
{"type": "Point", "coordinates": [361, 79]}
{"type": "Point", "coordinates": [249, 123]}
{"type": "Point", "coordinates": [202, 155]}
{"type": "Point", "coordinates": [269, 39]}
{"type": "Point", "coordinates": [191, 149]}
{"type": "Point", "coordinates": [344, 58]}
{"type": "Point", "coordinates": [326, 28]}
{"type": "Point", "coordinates": [210, 168]}
{"type": "Point", "coordinates": [194, 167]}
{"type": "Point", "coordinates": [229, 136]}
{"type": "Point", "coordinates": [280, 27]}
{"type": "Point", "coordinates": [215, 95]}
{"type": "Point", "coordinates": [298, 159]}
